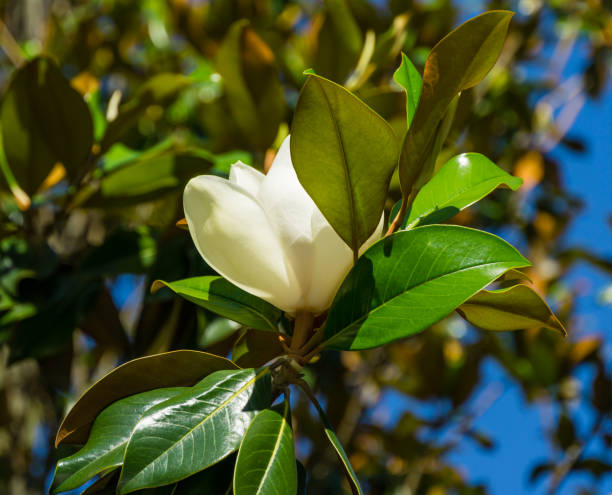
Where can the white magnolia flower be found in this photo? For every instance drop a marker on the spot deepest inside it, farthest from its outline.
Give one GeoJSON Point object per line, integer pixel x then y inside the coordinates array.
{"type": "Point", "coordinates": [265, 234]}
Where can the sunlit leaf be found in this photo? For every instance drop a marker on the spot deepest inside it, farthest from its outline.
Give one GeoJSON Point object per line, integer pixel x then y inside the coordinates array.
{"type": "Point", "coordinates": [169, 369]}
{"type": "Point", "coordinates": [408, 77]}
{"type": "Point", "coordinates": [462, 181]}
{"type": "Point", "coordinates": [195, 429]}
{"type": "Point", "coordinates": [408, 281]}
{"type": "Point", "coordinates": [513, 308]}
{"type": "Point", "coordinates": [458, 62]}
{"type": "Point", "coordinates": [337, 137]}
{"type": "Point", "coordinates": [219, 296]}
{"type": "Point", "coordinates": [108, 438]}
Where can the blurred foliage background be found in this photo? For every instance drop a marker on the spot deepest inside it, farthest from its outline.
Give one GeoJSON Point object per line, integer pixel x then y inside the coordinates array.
{"type": "Point", "coordinates": [91, 193]}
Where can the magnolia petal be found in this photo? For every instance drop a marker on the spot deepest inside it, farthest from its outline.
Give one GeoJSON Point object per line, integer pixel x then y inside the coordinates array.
{"type": "Point", "coordinates": [233, 234]}
{"type": "Point", "coordinates": [331, 261]}
{"type": "Point", "coordinates": [246, 177]}
{"type": "Point", "coordinates": [286, 202]}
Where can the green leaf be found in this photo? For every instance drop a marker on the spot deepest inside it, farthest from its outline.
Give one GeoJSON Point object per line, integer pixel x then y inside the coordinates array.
{"type": "Point", "coordinates": [254, 92]}
{"type": "Point", "coordinates": [156, 91]}
{"type": "Point", "coordinates": [408, 77]}
{"type": "Point", "coordinates": [513, 308]}
{"type": "Point", "coordinates": [44, 121]}
{"type": "Point", "coordinates": [266, 459]}
{"type": "Point", "coordinates": [219, 296]}
{"type": "Point", "coordinates": [109, 436]}
{"type": "Point", "coordinates": [194, 430]}
{"type": "Point", "coordinates": [462, 181]}
{"type": "Point", "coordinates": [458, 62]}
{"type": "Point", "coordinates": [169, 369]}
{"type": "Point", "coordinates": [410, 280]}
{"type": "Point", "coordinates": [336, 136]}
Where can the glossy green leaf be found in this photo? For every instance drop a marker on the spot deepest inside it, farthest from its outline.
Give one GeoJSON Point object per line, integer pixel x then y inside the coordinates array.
{"type": "Point", "coordinates": [410, 280]}
{"type": "Point", "coordinates": [513, 308]}
{"type": "Point", "coordinates": [194, 430]}
{"type": "Point", "coordinates": [351, 476]}
{"type": "Point", "coordinates": [408, 77]}
{"type": "Point", "coordinates": [336, 136]}
{"type": "Point", "coordinates": [458, 62]}
{"type": "Point", "coordinates": [169, 369]}
{"type": "Point", "coordinates": [252, 85]}
{"type": "Point", "coordinates": [462, 181]}
{"type": "Point", "coordinates": [108, 438]}
{"type": "Point", "coordinates": [44, 121]}
{"type": "Point", "coordinates": [266, 460]}
{"type": "Point", "coordinates": [219, 296]}
{"type": "Point", "coordinates": [156, 91]}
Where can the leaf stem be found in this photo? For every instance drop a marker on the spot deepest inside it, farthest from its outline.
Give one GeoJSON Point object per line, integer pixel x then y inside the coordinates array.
{"type": "Point", "coordinates": [398, 218]}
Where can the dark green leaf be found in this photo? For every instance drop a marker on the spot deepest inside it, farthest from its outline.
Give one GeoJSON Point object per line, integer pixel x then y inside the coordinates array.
{"type": "Point", "coordinates": [337, 136]}
{"type": "Point", "coordinates": [302, 476]}
{"type": "Point", "coordinates": [266, 459]}
{"type": "Point", "coordinates": [339, 41]}
{"type": "Point", "coordinates": [408, 281]}
{"type": "Point", "coordinates": [194, 430]}
{"type": "Point", "coordinates": [219, 296]}
{"type": "Point", "coordinates": [462, 181]}
{"type": "Point", "coordinates": [124, 251]}
{"type": "Point", "coordinates": [250, 79]}
{"type": "Point", "coordinates": [215, 480]}
{"type": "Point", "coordinates": [458, 62]}
{"type": "Point", "coordinates": [169, 369]}
{"type": "Point", "coordinates": [408, 77]}
{"type": "Point", "coordinates": [109, 435]}
{"type": "Point", "coordinates": [44, 121]}
{"type": "Point", "coordinates": [513, 308]}
{"type": "Point", "coordinates": [50, 328]}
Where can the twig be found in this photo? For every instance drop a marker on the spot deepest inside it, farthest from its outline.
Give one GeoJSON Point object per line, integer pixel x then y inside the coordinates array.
{"type": "Point", "coordinates": [572, 456]}
{"type": "Point", "coordinates": [10, 46]}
